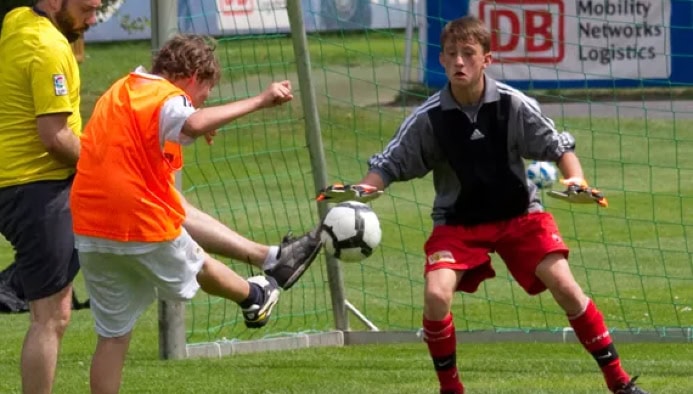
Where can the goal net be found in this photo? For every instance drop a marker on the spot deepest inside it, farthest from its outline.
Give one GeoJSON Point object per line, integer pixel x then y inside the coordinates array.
{"type": "Point", "coordinates": [633, 259]}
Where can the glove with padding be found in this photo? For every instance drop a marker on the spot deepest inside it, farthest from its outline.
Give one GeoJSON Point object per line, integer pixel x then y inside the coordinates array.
{"type": "Point", "coordinates": [579, 192]}
{"type": "Point", "coordinates": [338, 192]}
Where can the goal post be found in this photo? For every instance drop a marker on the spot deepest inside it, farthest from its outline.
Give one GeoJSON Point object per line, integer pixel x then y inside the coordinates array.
{"type": "Point", "coordinates": [171, 314]}
{"type": "Point", "coordinates": [315, 146]}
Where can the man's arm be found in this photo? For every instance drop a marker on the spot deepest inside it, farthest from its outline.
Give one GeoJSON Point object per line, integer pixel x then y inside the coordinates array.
{"type": "Point", "coordinates": [58, 138]}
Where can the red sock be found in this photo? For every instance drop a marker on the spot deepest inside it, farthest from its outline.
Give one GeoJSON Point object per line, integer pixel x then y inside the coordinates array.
{"type": "Point", "coordinates": [592, 332]}
{"type": "Point", "coordinates": [441, 341]}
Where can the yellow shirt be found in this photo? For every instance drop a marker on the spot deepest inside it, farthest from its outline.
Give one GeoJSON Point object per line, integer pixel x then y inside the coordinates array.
{"type": "Point", "coordinates": [38, 75]}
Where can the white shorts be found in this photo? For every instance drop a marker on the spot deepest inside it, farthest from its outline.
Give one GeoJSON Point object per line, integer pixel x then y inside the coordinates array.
{"type": "Point", "coordinates": [122, 285]}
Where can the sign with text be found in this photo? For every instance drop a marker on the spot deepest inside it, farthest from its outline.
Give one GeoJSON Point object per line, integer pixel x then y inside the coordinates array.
{"type": "Point", "coordinates": [264, 16]}
{"type": "Point", "coordinates": [237, 17]}
{"type": "Point", "coordinates": [534, 33]}
{"type": "Point", "coordinates": [575, 43]}
{"type": "Point", "coordinates": [568, 39]}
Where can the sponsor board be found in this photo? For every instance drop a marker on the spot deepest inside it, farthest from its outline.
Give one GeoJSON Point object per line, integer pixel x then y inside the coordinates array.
{"type": "Point", "coordinates": [232, 17]}
{"type": "Point", "coordinates": [576, 43]}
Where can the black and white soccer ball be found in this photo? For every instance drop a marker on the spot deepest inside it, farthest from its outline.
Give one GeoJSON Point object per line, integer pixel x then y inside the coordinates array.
{"type": "Point", "coordinates": [351, 231]}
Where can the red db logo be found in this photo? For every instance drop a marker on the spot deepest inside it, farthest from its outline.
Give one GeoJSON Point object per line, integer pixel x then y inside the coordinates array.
{"type": "Point", "coordinates": [525, 31]}
{"type": "Point", "coordinates": [236, 7]}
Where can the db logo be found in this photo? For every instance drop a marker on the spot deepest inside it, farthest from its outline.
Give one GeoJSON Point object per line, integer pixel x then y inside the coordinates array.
{"type": "Point", "coordinates": [525, 31]}
{"type": "Point", "coordinates": [236, 7]}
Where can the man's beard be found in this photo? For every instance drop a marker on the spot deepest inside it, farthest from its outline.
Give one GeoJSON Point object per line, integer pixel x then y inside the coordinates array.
{"type": "Point", "coordinates": [66, 24]}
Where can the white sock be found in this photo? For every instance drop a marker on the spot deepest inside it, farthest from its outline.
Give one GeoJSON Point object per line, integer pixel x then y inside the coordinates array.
{"type": "Point", "coordinates": [271, 259]}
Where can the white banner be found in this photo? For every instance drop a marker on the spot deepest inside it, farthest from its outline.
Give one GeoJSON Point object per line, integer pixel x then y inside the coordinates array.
{"type": "Point", "coordinates": [271, 15]}
{"type": "Point", "coordinates": [577, 39]}
{"type": "Point", "coordinates": [263, 16]}
{"type": "Point", "coordinates": [227, 17]}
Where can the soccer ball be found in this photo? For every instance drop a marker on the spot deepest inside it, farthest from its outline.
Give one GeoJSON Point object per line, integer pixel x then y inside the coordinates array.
{"type": "Point", "coordinates": [542, 173]}
{"type": "Point", "coordinates": [350, 231]}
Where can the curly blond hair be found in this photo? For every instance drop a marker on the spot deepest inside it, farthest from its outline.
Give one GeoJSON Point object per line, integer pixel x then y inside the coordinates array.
{"type": "Point", "coordinates": [187, 55]}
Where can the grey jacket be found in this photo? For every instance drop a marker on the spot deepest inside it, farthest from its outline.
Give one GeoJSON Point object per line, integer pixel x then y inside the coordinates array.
{"type": "Point", "coordinates": [413, 151]}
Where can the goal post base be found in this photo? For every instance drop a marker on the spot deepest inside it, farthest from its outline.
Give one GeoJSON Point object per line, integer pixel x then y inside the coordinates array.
{"type": "Point", "coordinates": [338, 338]}
{"type": "Point", "coordinates": [298, 341]}
{"type": "Point", "coordinates": [565, 335]}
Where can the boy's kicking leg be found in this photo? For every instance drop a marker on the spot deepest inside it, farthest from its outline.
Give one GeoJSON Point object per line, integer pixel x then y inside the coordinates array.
{"type": "Point", "coordinates": [256, 296]}
{"type": "Point", "coordinates": [122, 286]}
{"type": "Point", "coordinates": [285, 262]}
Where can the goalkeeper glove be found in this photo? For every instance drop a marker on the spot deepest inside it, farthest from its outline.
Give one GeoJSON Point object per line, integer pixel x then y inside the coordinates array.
{"type": "Point", "coordinates": [579, 192]}
{"type": "Point", "coordinates": [340, 193]}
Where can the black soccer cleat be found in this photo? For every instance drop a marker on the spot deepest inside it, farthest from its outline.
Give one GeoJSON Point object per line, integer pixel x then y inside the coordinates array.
{"type": "Point", "coordinates": [629, 388]}
{"type": "Point", "coordinates": [294, 257]}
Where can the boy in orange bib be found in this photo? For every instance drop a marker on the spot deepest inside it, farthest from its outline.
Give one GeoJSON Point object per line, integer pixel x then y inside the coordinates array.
{"type": "Point", "coordinates": [133, 229]}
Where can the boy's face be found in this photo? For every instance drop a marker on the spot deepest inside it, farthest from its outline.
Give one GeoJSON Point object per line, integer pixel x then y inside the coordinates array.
{"type": "Point", "coordinates": [464, 62]}
{"type": "Point", "coordinates": [198, 91]}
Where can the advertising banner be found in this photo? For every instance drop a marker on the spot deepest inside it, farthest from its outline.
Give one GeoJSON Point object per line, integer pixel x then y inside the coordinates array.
{"type": "Point", "coordinates": [226, 17]}
{"type": "Point", "coordinates": [253, 15]}
{"type": "Point", "coordinates": [575, 43]}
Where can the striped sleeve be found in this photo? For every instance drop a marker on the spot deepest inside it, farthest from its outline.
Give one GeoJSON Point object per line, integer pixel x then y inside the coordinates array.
{"type": "Point", "coordinates": [174, 113]}
{"type": "Point", "coordinates": [409, 153]}
{"type": "Point", "coordinates": [537, 136]}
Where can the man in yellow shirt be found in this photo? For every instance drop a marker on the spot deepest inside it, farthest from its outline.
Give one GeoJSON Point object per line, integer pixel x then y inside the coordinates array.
{"type": "Point", "coordinates": [40, 126]}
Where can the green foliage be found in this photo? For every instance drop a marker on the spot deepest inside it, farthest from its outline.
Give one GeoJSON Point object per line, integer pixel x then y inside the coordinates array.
{"type": "Point", "coordinates": [109, 9]}
{"type": "Point", "coordinates": [130, 24]}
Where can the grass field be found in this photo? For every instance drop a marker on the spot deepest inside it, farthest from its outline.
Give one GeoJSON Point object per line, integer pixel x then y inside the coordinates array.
{"type": "Point", "coordinates": [634, 258]}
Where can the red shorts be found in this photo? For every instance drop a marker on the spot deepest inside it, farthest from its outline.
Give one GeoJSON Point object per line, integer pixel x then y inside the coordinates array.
{"type": "Point", "coordinates": [521, 242]}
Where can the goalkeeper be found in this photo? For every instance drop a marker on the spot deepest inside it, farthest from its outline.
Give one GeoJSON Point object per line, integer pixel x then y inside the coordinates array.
{"type": "Point", "coordinates": [136, 235]}
{"type": "Point", "coordinates": [473, 135]}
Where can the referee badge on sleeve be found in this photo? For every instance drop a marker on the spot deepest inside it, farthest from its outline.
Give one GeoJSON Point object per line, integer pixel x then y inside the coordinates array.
{"type": "Point", "coordinates": [59, 84]}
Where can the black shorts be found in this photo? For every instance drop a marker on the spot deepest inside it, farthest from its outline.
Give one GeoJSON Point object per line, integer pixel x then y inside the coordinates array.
{"type": "Point", "coordinates": [36, 219]}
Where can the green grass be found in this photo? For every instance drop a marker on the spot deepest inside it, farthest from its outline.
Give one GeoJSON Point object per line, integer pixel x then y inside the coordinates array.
{"type": "Point", "coordinates": [633, 258]}
{"type": "Point", "coordinates": [372, 369]}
